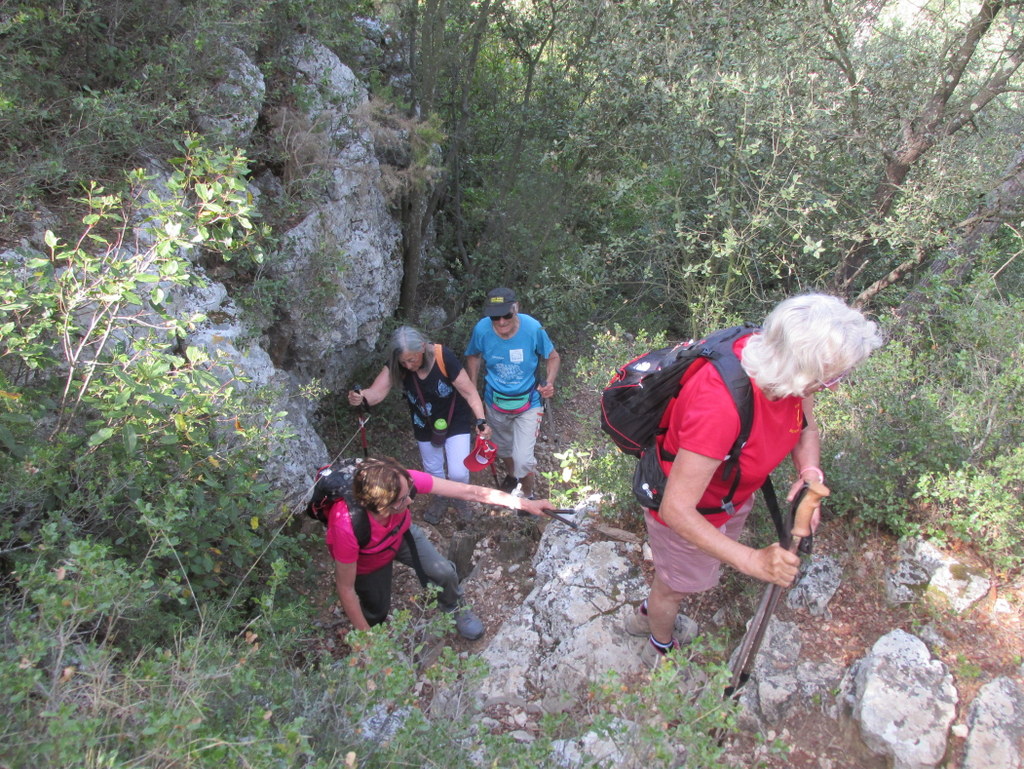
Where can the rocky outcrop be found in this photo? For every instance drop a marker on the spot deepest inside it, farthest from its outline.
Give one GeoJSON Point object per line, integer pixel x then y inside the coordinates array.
{"type": "Point", "coordinates": [903, 701]}
{"type": "Point", "coordinates": [896, 705]}
{"type": "Point", "coordinates": [996, 723]}
{"type": "Point", "coordinates": [340, 265]}
{"type": "Point", "coordinates": [568, 631]}
{"type": "Point", "coordinates": [234, 102]}
{"type": "Point", "coordinates": [923, 571]}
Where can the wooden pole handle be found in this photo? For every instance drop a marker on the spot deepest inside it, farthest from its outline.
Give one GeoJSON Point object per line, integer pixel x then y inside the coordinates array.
{"type": "Point", "coordinates": [802, 519]}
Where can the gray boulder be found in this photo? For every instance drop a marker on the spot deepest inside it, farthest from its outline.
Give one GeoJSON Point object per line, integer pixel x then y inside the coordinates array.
{"type": "Point", "coordinates": [341, 264]}
{"type": "Point", "coordinates": [996, 723]}
{"type": "Point", "coordinates": [568, 630]}
{"type": "Point", "coordinates": [902, 700]}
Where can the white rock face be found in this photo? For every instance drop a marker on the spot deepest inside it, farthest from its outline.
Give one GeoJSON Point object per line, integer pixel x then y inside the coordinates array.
{"type": "Point", "coordinates": [569, 629]}
{"type": "Point", "coordinates": [342, 262]}
{"type": "Point", "coordinates": [903, 701]}
{"type": "Point", "coordinates": [236, 101]}
{"type": "Point", "coordinates": [996, 722]}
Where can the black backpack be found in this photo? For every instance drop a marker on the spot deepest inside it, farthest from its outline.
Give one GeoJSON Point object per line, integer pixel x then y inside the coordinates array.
{"type": "Point", "coordinates": [333, 482]}
{"type": "Point", "coordinates": [635, 401]}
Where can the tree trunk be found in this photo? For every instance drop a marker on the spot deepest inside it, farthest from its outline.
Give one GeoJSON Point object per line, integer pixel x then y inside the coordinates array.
{"type": "Point", "coordinates": [932, 125]}
{"type": "Point", "coordinates": [955, 262]}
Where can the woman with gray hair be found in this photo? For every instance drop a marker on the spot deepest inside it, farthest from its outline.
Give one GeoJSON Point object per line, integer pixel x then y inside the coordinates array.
{"type": "Point", "coordinates": [807, 344]}
{"type": "Point", "coordinates": [444, 406]}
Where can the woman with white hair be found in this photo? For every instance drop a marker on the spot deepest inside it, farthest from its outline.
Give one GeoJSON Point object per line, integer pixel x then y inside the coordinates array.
{"type": "Point", "coordinates": [444, 406]}
{"type": "Point", "coordinates": [807, 344]}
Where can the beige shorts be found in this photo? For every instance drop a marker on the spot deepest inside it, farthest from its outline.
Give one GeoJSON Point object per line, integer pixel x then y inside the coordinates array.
{"type": "Point", "coordinates": [683, 566]}
{"type": "Point", "coordinates": [516, 437]}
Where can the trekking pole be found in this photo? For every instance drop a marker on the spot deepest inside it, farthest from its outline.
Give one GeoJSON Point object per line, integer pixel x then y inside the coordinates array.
{"type": "Point", "coordinates": [548, 419]}
{"type": "Point", "coordinates": [363, 419]}
{"type": "Point", "coordinates": [801, 511]}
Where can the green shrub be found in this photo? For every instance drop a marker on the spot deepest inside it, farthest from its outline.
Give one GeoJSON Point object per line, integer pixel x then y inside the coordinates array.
{"type": "Point", "coordinates": [117, 432]}
{"type": "Point", "coordinates": [591, 463]}
{"type": "Point", "coordinates": [932, 420]}
{"type": "Point", "coordinates": [679, 717]}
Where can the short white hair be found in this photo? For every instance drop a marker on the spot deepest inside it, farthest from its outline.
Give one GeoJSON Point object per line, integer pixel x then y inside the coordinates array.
{"type": "Point", "coordinates": [805, 341]}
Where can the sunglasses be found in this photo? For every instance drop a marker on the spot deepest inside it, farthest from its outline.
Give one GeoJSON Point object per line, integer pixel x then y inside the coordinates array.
{"type": "Point", "coordinates": [399, 504]}
{"type": "Point", "coordinates": [834, 381]}
{"type": "Point", "coordinates": [507, 316]}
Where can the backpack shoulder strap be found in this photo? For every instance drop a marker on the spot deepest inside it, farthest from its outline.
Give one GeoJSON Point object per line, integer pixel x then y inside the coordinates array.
{"type": "Point", "coordinates": [718, 349]}
{"type": "Point", "coordinates": [360, 522]}
{"type": "Point", "coordinates": [439, 357]}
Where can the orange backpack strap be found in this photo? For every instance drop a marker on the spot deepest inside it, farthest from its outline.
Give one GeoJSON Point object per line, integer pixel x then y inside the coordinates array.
{"type": "Point", "coordinates": [439, 357]}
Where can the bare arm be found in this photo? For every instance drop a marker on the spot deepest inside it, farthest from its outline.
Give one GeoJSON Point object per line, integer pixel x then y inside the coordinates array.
{"type": "Point", "coordinates": [806, 456]}
{"type": "Point", "coordinates": [468, 391]}
{"type": "Point", "coordinates": [375, 393]}
{"type": "Point", "coordinates": [488, 496]}
{"type": "Point", "coordinates": [690, 475]}
{"type": "Point", "coordinates": [807, 452]}
{"type": "Point", "coordinates": [473, 368]}
{"type": "Point", "coordinates": [551, 367]}
{"type": "Point", "coordinates": [345, 582]}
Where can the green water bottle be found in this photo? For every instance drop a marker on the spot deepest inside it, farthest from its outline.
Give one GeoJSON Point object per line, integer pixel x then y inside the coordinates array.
{"type": "Point", "coordinates": [440, 432]}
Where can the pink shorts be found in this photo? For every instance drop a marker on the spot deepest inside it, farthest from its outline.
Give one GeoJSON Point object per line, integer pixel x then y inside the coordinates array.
{"type": "Point", "coordinates": [683, 566]}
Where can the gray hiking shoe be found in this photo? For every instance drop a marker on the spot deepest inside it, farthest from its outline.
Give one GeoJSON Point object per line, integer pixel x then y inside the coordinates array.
{"type": "Point", "coordinates": [652, 656]}
{"type": "Point", "coordinates": [636, 623]}
{"type": "Point", "coordinates": [467, 624]}
{"type": "Point", "coordinates": [436, 508]}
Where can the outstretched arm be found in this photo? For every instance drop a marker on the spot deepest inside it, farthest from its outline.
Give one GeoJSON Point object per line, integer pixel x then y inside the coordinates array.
{"type": "Point", "coordinates": [488, 496]}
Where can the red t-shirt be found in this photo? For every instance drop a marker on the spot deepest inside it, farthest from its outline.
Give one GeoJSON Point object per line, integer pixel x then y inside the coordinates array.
{"type": "Point", "coordinates": [703, 419]}
{"type": "Point", "coordinates": [385, 539]}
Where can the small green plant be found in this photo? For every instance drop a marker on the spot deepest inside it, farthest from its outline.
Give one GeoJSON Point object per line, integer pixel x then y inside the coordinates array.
{"type": "Point", "coordinates": [592, 464]}
{"type": "Point", "coordinates": [678, 717]}
{"type": "Point", "coordinates": [964, 668]}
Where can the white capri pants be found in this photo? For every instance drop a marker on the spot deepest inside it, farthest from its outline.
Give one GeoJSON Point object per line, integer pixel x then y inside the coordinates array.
{"type": "Point", "coordinates": [455, 450]}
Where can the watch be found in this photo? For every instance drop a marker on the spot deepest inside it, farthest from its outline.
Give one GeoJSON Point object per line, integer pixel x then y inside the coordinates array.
{"type": "Point", "coordinates": [481, 423]}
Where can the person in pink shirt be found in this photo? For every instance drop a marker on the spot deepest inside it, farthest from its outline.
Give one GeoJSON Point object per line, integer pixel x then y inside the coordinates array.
{"type": "Point", "coordinates": [362, 572]}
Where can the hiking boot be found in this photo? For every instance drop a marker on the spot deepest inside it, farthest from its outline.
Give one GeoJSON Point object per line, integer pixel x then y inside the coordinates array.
{"type": "Point", "coordinates": [652, 656]}
{"type": "Point", "coordinates": [636, 622]}
{"type": "Point", "coordinates": [509, 483]}
{"type": "Point", "coordinates": [467, 624]}
{"type": "Point", "coordinates": [464, 509]}
{"type": "Point", "coordinates": [435, 511]}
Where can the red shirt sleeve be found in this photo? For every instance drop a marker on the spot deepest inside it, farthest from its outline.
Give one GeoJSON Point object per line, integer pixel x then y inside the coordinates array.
{"type": "Point", "coordinates": [704, 419]}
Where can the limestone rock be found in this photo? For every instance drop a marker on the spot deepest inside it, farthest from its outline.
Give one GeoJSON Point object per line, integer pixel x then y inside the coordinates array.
{"type": "Point", "coordinates": [996, 722]}
{"type": "Point", "coordinates": [818, 583]}
{"type": "Point", "coordinates": [341, 264]}
{"type": "Point", "coordinates": [568, 630]}
{"type": "Point", "coordinates": [903, 701]}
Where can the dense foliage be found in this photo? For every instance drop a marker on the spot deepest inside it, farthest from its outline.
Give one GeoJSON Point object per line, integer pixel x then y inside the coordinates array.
{"type": "Point", "coordinates": [640, 170]}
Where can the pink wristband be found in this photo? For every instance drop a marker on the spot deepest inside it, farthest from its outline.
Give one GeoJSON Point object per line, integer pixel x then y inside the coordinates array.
{"type": "Point", "coordinates": [821, 475]}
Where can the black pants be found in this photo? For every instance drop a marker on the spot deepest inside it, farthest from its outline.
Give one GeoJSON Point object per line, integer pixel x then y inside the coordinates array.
{"type": "Point", "coordinates": [417, 551]}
